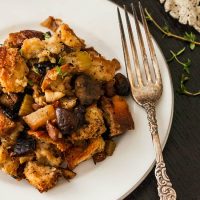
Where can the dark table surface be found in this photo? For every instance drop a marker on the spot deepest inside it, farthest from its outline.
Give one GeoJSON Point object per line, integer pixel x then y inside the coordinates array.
{"type": "Point", "coordinates": [182, 151]}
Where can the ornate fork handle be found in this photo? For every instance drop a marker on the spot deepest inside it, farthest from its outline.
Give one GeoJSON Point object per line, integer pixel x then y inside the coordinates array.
{"type": "Point", "coordinates": [165, 190]}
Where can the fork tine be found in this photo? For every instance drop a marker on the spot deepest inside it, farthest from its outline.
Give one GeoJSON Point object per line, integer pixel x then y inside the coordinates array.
{"type": "Point", "coordinates": [133, 49]}
{"type": "Point", "coordinates": [150, 44]}
{"type": "Point", "coordinates": [141, 43]}
{"type": "Point", "coordinates": [125, 51]}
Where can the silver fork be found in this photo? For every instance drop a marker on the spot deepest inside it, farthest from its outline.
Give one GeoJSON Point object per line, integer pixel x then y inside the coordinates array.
{"type": "Point", "coordinates": [146, 92]}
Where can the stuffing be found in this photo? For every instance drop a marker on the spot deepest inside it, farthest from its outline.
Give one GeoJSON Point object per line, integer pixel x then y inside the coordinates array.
{"type": "Point", "coordinates": [40, 117]}
{"type": "Point", "coordinates": [69, 38]}
{"type": "Point", "coordinates": [15, 40]}
{"type": "Point", "coordinates": [58, 79]}
{"type": "Point", "coordinates": [51, 96]}
{"type": "Point", "coordinates": [51, 23]}
{"type": "Point", "coordinates": [42, 49]}
{"type": "Point", "coordinates": [9, 100]}
{"type": "Point", "coordinates": [95, 126]}
{"type": "Point", "coordinates": [117, 115]}
{"type": "Point", "coordinates": [38, 97]}
{"type": "Point", "coordinates": [13, 70]}
{"type": "Point", "coordinates": [93, 65]}
{"type": "Point", "coordinates": [57, 104]}
{"type": "Point", "coordinates": [68, 103]}
{"type": "Point", "coordinates": [6, 125]}
{"type": "Point", "coordinates": [68, 174]}
{"type": "Point", "coordinates": [32, 47]}
{"type": "Point", "coordinates": [54, 45]}
{"type": "Point", "coordinates": [10, 139]}
{"type": "Point", "coordinates": [40, 176]}
{"type": "Point", "coordinates": [46, 154]}
{"type": "Point", "coordinates": [8, 164]}
{"type": "Point", "coordinates": [44, 137]}
{"type": "Point", "coordinates": [77, 155]}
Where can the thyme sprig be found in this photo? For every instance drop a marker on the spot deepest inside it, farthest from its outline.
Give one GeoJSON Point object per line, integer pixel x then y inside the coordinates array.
{"type": "Point", "coordinates": [184, 90]}
{"type": "Point", "coordinates": [185, 65]}
{"type": "Point", "coordinates": [187, 37]}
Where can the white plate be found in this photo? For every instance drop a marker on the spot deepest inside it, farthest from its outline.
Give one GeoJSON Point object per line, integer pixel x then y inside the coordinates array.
{"type": "Point", "coordinates": [96, 22]}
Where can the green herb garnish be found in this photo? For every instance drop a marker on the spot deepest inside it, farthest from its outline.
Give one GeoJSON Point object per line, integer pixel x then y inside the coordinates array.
{"type": "Point", "coordinates": [176, 54]}
{"type": "Point", "coordinates": [47, 35]}
{"type": "Point", "coordinates": [30, 82]}
{"type": "Point", "coordinates": [185, 65]}
{"type": "Point", "coordinates": [60, 72]}
{"type": "Point", "coordinates": [61, 61]}
{"type": "Point", "coordinates": [183, 88]}
{"type": "Point", "coordinates": [35, 70]}
{"type": "Point", "coordinates": [192, 38]}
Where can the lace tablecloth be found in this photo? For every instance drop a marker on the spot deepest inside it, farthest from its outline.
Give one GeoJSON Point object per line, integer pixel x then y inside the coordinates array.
{"type": "Point", "coordinates": [186, 11]}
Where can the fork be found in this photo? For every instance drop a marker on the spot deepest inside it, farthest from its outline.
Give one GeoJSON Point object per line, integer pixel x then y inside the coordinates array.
{"type": "Point", "coordinates": [146, 91]}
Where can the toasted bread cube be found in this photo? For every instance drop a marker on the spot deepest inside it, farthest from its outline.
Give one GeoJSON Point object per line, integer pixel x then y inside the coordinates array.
{"type": "Point", "coordinates": [95, 66]}
{"type": "Point", "coordinates": [32, 47]}
{"type": "Point", "coordinates": [95, 126]}
{"type": "Point", "coordinates": [75, 158]}
{"type": "Point", "coordinates": [13, 70]}
{"type": "Point", "coordinates": [52, 96]}
{"type": "Point", "coordinates": [40, 176]}
{"type": "Point", "coordinates": [11, 167]}
{"type": "Point", "coordinates": [55, 82]}
{"type": "Point", "coordinates": [6, 125]}
{"type": "Point", "coordinates": [51, 23]}
{"type": "Point", "coordinates": [8, 164]}
{"type": "Point", "coordinates": [47, 155]}
{"type": "Point", "coordinates": [9, 100]}
{"type": "Point", "coordinates": [40, 117]}
{"type": "Point", "coordinates": [69, 38]}
{"type": "Point", "coordinates": [44, 137]}
{"type": "Point", "coordinates": [16, 40]}
{"type": "Point", "coordinates": [117, 114]}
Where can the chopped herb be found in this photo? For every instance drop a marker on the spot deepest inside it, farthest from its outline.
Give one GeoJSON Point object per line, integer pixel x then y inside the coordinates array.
{"type": "Point", "coordinates": [176, 54]}
{"type": "Point", "coordinates": [30, 82]}
{"type": "Point", "coordinates": [60, 72]}
{"type": "Point", "coordinates": [183, 88]}
{"type": "Point", "coordinates": [192, 38]}
{"type": "Point", "coordinates": [20, 51]}
{"type": "Point", "coordinates": [35, 70]}
{"type": "Point", "coordinates": [185, 65]}
{"type": "Point", "coordinates": [61, 61]}
{"type": "Point", "coordinates": [47, 35]}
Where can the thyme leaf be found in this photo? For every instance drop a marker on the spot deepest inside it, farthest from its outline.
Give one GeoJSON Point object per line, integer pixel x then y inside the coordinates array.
{"type": "Point", "coordinates": [184, 90]}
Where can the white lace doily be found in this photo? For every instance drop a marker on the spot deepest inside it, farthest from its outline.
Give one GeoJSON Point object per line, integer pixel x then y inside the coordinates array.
{"type": "Point", "coordinates": [186, 11]}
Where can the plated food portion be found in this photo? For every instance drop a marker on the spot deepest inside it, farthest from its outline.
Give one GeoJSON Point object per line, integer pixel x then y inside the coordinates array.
{"type": "Point", "coordinates": [61, 103]}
